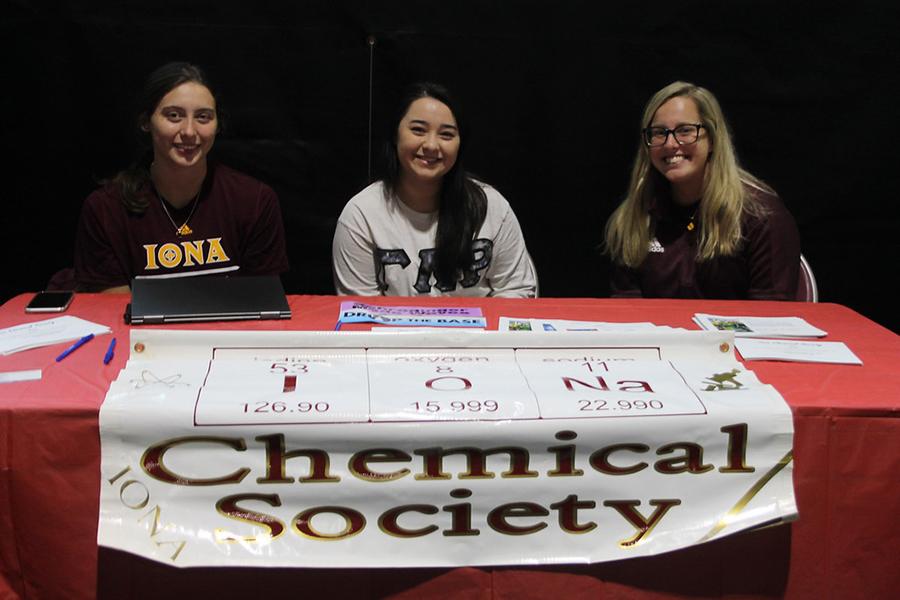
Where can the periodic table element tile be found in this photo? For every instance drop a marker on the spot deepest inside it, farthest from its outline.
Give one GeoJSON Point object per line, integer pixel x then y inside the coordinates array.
{"type": "Point", "coordinates": [284, 386]}
{"type": "Point", "coordinates": [448, 385]}
{"type": "Point", "coordinates": [583, 383]}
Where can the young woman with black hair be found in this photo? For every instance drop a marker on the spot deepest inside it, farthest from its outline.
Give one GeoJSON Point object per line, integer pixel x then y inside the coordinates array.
{"type": "Point", "coordinates": [427, 227]}
{"type": "Point", "coordinates": [173, 212]}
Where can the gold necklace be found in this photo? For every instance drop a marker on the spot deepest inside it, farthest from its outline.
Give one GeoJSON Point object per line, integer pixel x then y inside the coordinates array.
{"type": "Point", "coordinates": [184, 230]}
{"type": "Point", "coordinates": [690, 225]}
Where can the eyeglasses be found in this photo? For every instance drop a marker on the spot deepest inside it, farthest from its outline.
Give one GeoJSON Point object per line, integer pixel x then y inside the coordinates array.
{"type": "Point", "coordinates": [683, 134]}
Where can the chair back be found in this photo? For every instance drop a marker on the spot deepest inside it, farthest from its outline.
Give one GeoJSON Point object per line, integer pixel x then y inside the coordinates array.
{"type": "Point", "coordinates": [807, 290]}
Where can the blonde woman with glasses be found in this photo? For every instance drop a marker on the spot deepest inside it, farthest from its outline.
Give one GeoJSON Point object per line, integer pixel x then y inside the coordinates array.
{"type": "Point", "coordinates": [694, 224]}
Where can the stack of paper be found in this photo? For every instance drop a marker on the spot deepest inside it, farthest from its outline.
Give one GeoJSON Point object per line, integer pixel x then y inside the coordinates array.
{"type": "Point", "coordinates": [749, 328]}
{"type": "Point", "coordinates": [768, 327]}
{"type": "Point", "coordinates": [551, 325]}
{"type": "Point", "coordinates": [47, 332]}
{"type": "Point", "coordinates": [797, 351]}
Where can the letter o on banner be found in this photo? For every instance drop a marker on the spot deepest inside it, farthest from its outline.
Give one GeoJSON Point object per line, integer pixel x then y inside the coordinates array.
{"type": "Point", "coordinates": [432, 384]}
{"type": "Point", "coordinates": [354, 522]}
{"type": "Point", "coordinates": [137, 499]}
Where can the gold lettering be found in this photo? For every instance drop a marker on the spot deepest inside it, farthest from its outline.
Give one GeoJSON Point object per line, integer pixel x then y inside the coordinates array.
{"type": "Point", "coordinates": [359, 464]}
{"type": "Point", "coordinates": [691, 461]}
{"type": "Point", "coordinates": [354, 522]}
{"type": "Point", "coordinates": [180, 544]}
{"type": "Point", "coordinates": [388, 521]}
{"type": "Point", "coordinates": [169, 255]}
{"type": "Point", "coordinates": [476, 462]}
{"type": "Point", "coordinates": [156, 527]}
{"type": "Point", "coordinates": [565, 456]}
{"type": "Point", "coordinates": [498, 519]}
{"type": "Point", "coordinates": [152, 461]}
{"type": "Point", "coordinates": [627, 508]}
{"type": "Point", "coordinates": [216, 252]}
{"type": "Point", "coordinates": [119, 474]}
{"type": "Point", "coordinates": [193, 253]}
{"type": "Point", "coordinates": [228, 507]}
{"type": "Point", "coordinates": [460, 515]}
{"type": "Point", "coordinates": [151, 256]}
{"type": "Point", "coordinates": [277, 456]}
{"type": "Point", "coordinates": [141, 503]}
{"type": "Point", "coordinates": [737, 449]}
{"type": "Point", "coordinates": [568, 514]}
{"type": "Point", "coordinates": [600, 459]}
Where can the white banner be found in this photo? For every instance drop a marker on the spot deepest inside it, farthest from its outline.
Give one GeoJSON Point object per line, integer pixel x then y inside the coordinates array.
{"type": "Point", "coordinates": [436, 449]}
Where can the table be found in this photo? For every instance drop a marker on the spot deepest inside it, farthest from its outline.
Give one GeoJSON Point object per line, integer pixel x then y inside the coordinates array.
{"type": "Point", "coordinates": [847, 456]}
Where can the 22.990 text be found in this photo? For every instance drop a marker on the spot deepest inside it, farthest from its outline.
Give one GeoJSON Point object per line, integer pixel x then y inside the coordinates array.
{"type": "Point", "coordinates": [591, 405]}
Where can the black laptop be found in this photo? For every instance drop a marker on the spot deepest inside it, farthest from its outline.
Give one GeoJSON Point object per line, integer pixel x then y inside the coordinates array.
{"type": "Point", "coordinates": [206, 298]}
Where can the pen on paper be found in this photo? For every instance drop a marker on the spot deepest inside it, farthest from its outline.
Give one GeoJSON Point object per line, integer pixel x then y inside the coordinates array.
{"type": "Point", "coordinates": [110, 352]}
{"type": "Point", "coordinates": [75, 346]}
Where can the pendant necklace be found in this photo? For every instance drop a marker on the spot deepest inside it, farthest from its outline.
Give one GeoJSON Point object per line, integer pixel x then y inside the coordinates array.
{"type": "Point", "coordinates": [184, 230]}
{"type": "Point", "coordinates": [690, 225]}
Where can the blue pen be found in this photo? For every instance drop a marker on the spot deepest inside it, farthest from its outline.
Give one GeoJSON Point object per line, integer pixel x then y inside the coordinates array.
{"type": "Point", "coordinates": [75, 346]}
{"type": "Point", "coordinates": [109, 351]}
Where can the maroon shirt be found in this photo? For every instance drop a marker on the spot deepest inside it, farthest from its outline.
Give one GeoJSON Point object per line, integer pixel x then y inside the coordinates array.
{"type": "Point", "coordinates": [765, 266]}
{"type": "Point", "coordinates": [236, 225]}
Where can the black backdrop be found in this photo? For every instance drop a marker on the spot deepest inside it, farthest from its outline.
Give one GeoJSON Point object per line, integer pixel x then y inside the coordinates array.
{"type": "Point", "coordinates": [553, 91]}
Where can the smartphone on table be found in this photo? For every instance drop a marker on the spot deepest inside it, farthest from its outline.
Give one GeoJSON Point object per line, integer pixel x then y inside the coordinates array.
{"type": "Point", "coordinates": [49, 302]}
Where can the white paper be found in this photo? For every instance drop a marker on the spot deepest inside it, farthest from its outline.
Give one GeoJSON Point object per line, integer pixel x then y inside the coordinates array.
{"type": "Point", "coordinates": [555, 325]}
{"type": "Point", "coordinates": [46, 333]}
{"type": "Point", "coordinates": [410, 329]}
{"type": "Point", "coordinates": [12, 376]}
{"type": "Point", "coordinates": [795, 351]}
{"type": "Point", "coordinates": [772, 327]}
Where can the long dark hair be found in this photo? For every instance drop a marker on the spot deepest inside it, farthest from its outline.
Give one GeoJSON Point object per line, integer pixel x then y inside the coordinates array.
{"type": "Point", "coordinates": [160, 82]}
{"type": "Point", "coordinates": [463, 203]}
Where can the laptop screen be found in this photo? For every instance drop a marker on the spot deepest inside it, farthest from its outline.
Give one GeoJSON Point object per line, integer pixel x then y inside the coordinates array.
{"type": "Point", "coordinates": [209, 298]}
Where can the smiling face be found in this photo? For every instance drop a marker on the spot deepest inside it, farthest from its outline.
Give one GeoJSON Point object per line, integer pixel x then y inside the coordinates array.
{"type": "Point", "coordinates": [427, 141]}
{"type": "Point", "coordinates": [683, 165]}
{"type": "Point", "coordinates": [183, 126]}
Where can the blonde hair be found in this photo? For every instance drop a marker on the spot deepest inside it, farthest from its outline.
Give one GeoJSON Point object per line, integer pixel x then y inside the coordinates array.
{"type": "Point", "coordinates": [724, 195]}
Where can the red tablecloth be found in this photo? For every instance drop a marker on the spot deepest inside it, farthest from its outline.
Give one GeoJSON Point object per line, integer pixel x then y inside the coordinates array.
{"type": "Point", "coordinates": [847, 456]}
